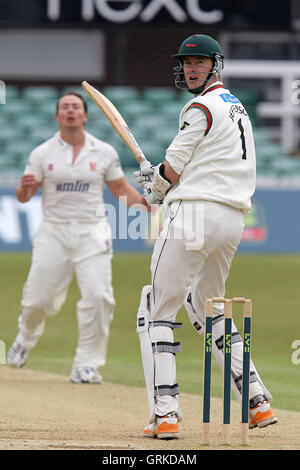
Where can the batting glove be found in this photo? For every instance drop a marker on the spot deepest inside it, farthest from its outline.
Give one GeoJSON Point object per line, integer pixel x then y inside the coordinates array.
{"type": "Point", "coordinates": [144, 175]}
{"type": "Point", "coordinates": [156, 189]}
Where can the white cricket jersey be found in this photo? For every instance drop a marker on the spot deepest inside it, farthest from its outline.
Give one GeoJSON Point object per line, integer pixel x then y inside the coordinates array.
{"type": "Point", "coordinates": [214, 151]}
{"type": "Point", "coordinates": [73, 191]}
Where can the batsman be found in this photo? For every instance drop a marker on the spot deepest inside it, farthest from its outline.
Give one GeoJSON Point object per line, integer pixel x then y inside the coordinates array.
{"type": "Point", "coordinates": [205, 184]}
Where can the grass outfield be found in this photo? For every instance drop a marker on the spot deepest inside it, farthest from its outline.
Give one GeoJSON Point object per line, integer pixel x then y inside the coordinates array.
{"type": "Point", "coordinates": [271, 281]}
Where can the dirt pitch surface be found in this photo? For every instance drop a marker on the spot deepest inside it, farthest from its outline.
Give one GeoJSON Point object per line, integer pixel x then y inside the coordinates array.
{"type": "Point", "coordinates": [43, 411]}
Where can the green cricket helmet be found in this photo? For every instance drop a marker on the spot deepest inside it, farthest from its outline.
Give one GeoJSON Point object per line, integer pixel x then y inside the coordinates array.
{"type": "Point", "coordinates": [198, 45]}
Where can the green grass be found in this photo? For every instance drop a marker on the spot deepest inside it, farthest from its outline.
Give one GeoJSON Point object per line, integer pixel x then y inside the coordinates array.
{"type": "Point", "coordinates": [271, 281]}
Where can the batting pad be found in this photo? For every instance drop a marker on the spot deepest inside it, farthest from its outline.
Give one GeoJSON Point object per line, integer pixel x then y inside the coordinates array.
{"type": "Point", "coordinates": [146, 347]}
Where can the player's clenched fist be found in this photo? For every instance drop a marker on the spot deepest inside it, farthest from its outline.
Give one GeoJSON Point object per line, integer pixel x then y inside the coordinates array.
{"type": "Point", "coordinates": [27, 181]}
{"type": "Point", "coordinates": [27, 188]}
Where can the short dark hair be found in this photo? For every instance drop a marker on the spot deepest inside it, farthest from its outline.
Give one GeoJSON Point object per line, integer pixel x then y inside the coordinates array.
{"type": "Point", "coordinates": [73, 93]}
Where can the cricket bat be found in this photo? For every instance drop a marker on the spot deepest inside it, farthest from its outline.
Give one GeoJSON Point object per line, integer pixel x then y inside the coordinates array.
{"type": "Point", "coordinates": [118, 122]}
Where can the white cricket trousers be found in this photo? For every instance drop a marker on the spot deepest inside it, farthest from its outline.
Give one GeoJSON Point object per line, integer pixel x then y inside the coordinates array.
{"type": "Point", "coordinates": [192, 254]}
{"type": "Point", "coordinates": [61, 250]}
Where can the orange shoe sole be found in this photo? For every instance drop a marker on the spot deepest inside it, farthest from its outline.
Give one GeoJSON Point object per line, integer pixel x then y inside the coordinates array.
{"type": "Point", "coordinates": [262, 420]}
{"type": "Point", "coordinates": [164, 431]}
{"type": "Point", "coordinates": [148, 433]}
{"type": "Point", "coordinates": [167, 431]}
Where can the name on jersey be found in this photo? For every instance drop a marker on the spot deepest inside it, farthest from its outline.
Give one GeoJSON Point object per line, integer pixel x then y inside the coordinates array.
{"type": "Point", "coordinates": [236, 109]}
{"type": "Point", "coordinates": [77, 186]}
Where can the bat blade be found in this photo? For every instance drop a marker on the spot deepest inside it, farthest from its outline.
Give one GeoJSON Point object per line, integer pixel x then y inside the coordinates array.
{"type": "Point", "coordinates": [117, 121]}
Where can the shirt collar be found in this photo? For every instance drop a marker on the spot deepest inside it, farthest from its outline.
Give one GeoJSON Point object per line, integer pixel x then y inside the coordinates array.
{"type": "Point", "coordinates": [89, 141]}
{"type": "Point", "coordinates": [213, 87]}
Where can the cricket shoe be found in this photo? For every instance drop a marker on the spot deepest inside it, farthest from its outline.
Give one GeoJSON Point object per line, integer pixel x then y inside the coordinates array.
{"type": "Point", "coordinates": [17, 355]}
{"type": "Point", "coordinates": [86, 375]}
{"type": "Point", "coordinates": [262, 415]}
{"type": "Point", "coordinates": [164, 427]}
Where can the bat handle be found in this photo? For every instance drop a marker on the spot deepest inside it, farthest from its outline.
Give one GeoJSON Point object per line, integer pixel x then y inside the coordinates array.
{"type": "Point", "coordinates": [146, 167]}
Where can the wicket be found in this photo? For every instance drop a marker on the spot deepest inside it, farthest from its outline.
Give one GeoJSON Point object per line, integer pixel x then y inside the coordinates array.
{"type": "Point", "coordinates": [227, 366]}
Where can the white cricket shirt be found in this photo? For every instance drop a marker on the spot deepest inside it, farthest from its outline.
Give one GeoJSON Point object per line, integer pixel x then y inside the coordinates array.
{"type": "Point", "coordinates": [214, 151]}
{"type": "Point", "coordinates": [73, 191]}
